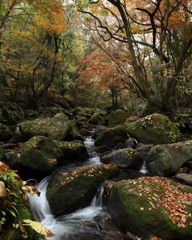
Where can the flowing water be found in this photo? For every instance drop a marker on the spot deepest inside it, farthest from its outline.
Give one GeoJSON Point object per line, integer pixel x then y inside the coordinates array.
{"type": "Point", "coordinates": [84, 224]}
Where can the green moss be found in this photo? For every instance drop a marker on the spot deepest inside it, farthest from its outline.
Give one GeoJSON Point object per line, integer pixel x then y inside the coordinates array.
{"type": "Point", "coordinates": [13, 210]}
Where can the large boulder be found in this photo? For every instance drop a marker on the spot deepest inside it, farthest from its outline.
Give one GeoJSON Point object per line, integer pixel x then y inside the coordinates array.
{"type": "Point", "coordinates": [75, 189]}
{"type": "Point", "coordinates": [72, 151]}
{"type": "Point", "coordinates": [96, 118]}
{"type": "Point", "coordinates": [112, 137]}
{"type": "Point", "coordinates": [56, 128]}
{"type": "Point", "coordinates": [154, 129]}
{"type": "Point", "coordinates": [99, 130]}
{"type": "Point", "coordinates": [36, 127]}
{"type": "Point", "coordinates": [59, 127]}
{"type": "Point", "coordinates": [166, 159]}
{"type": "Point", "coordinates": [5, 133]}
{"type": "Point", "coordinates": [124, 158]}
{"type": "Point", "coordinates": [117, 117]}
{"type": "Point", "coordinates": [15, 208]}
{"type": "Point", "coordinates": [151, 206]}
{"type": "Point", "coordinates": [39, 155]}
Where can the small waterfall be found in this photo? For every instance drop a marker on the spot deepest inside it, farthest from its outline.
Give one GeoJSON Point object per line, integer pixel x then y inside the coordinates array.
{"type": "Point", "coordinates": [143, 169]}
{"type": "Point", "coordinates": [94, 159]}
{"type": "Point", "coordinates": [98, 198]}
{"type": "Point", "coordinates": [74, 226]}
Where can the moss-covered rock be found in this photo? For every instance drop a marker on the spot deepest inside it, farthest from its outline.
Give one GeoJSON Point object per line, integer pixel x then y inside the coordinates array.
{"type": "Point", "coordinates": [39, 155]}
{"type": "Point", "coordinates": [36, 127]}
{"type": "Point", "coordinates": [117, 117]}
{"type": "Point", "coordinates": [56, 128]}
{"type": "Point", "coordinates": [112, 137]}
{"type": "Point", "coordinates": [166, 159]}
{"type": "Point", "coordinates": [74, 133]}
{"type": "Point", "coordinates": [13, 209]}
{"type": "Point", "coordinates": [154, 129]}
{"type": "Point", "coordinates": [99, 130]}
{"type": "Point", "coordinates": [151, 206]}
{"type": "Point", "coordinates": [76, 188]}
{"type": "Point", "coordinates": [72, 151]}
{"type": "Point", "coordinates": [59, 127]}
{"type": "Point", "coordinates": [96, 118]}
{"type": "Point", "coordinates": [5, 133]}
{"type": "Point", "coordinates": [124, 158]}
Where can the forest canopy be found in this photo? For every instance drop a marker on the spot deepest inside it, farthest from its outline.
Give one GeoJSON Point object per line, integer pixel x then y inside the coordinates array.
{"type": "Point", "coordinates": [96, 53]}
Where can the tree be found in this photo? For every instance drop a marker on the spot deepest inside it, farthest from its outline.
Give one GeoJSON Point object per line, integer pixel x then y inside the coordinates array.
{"type": "Point", "coordinates": [158, 37]}
{"type": "Point", "coordinates": [31, 53]}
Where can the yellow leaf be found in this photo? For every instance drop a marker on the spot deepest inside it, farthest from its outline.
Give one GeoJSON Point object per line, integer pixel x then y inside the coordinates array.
{"type": "Point", "coordinates": [141, 208]}
{"type": "Point", "coordinates": [38, 227]}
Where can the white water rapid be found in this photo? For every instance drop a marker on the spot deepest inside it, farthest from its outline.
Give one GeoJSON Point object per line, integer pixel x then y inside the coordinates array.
{"type": "Point", "coordinates": [92, 222]}
{"type": "Point", "coordinates": [82, 224]}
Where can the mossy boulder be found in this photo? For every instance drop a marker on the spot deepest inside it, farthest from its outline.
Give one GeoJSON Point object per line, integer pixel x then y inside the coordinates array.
{"type": "Point", "coordinates": [96, 118]}
{"type": "Point", "coordinates": [166, 159]}
{"type": "Point", "coordinates": [36, 127]}
{"type": "Point", "coordinates": [151, 206]}
{"type": "Point", "coordinates": [13, 208]}
{"type": "Point", "coordinates": [112, 137]}
{"type": "Point", "coordinates": [74, 133]}
{"type": "Point", "coordinates": [124, 158]}
{"type": "Point", "coordinates": [59, 127]}
{"type": "Point", "coordinates": [76, 188]}
{"type": "Point", "coordinates": [154, 129]}
{"type": "Point", "coordinates": [56, 128]}
{"type": "Point", "coordinates": [99, 130]}
{"type": "Point", "coordinates": [72, 151]}
{"type": "Point", "coordinates": [5, 133]}
{"type": "Point", "coordinates": [117, 117]}
{"type": "Point", "coordinates": [39, 155]}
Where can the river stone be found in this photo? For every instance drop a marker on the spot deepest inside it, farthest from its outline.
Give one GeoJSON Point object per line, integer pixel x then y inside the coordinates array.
{"type": "Point", "coordinates": [59, 127]}
{"type": "Point", "coordinates": [124, 158]}
{"type": "Point", "coordinates": [69, 191]}
{"type": "Point", "coordinates": [40, 154]}
{"type": "Point", "coordinates": [154, 129]}
{"type": "Point", "coordinates": [166, 159]}
{"type": "Point", "coordinates": [96, 118]}
{"type": "Point", "coordinates": [117, 117]}
{"type": "Point", "coordinates": [151, 206]}
{"type": "Point", "coordinates": [186, 177]}
{"type": "Point", "coordinates": [112, 137]}
{"type": "Point", "coordinates": [56, 128]}
{"type": "Point", "coordinates": [99, 130]}
{"type": "Point", "coordinates": [72, 151]}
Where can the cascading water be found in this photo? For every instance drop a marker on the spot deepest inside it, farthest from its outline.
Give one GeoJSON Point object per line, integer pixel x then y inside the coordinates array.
{"type": "Point", "coordinates": [80, 225]}
{"type": "Point", "coordinates": [84, 224]}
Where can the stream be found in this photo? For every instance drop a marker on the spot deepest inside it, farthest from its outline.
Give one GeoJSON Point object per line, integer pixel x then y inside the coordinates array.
{"type": "Point", "coordinates": [91, 222]}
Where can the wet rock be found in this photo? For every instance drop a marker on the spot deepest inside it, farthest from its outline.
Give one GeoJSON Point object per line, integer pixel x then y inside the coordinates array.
{"type": "Point", "coordinates": [69, 191]}
{"type": "Point", "coordinates": [166, 159]}
{"type": "Point", "coordinates": [124, 158]}
{"type": "Point", "coordinates": [117, 117]}
{"type": "Point", "coordinates": [151, 206]}
{"type": "Point", "coordinates": [39, 155]}
{"type": "Point", "coordinates": [71, 151]}
{"type": "Point", "coordinates": [112, 137]}
{"type": "Point", "coordinates": [96, 118]}
{"type": "Point", "coordinates": [186, 177]}
{"type": "Point", "coordinates": [99, 130]}
{"type": "Point", "coordinates": [154, 129]}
